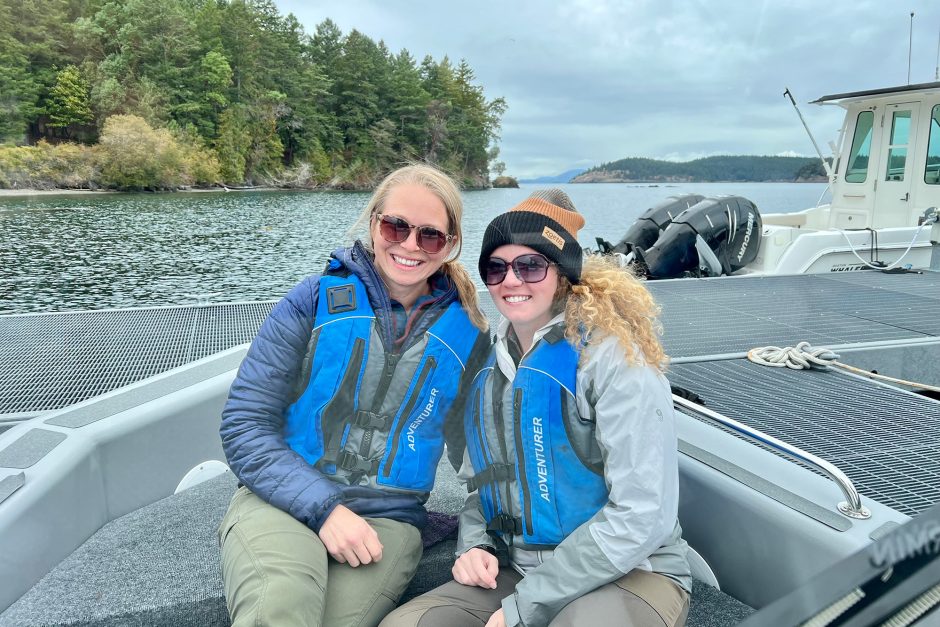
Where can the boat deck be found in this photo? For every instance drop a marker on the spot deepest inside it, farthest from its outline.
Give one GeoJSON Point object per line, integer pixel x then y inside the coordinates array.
{"type": "Point", "coordinates": [885, 439]}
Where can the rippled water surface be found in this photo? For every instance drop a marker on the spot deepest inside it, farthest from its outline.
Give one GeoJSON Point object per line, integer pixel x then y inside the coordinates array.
{"type": "Point", "coordinates": [62, 253]}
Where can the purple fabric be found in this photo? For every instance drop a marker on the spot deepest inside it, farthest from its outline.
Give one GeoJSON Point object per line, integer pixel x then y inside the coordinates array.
{"type": "Point", "coordinates": [440, 527]}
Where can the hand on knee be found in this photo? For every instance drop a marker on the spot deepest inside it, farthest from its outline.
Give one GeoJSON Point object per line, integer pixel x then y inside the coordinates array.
{"type": "Point", "coordinates": [348, 538]}
{"type": "Point", "coordinates": [476, 567]}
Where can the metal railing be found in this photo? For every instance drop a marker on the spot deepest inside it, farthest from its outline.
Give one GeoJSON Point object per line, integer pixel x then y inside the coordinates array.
{"type": "Point", "coordinates": [852, 505]}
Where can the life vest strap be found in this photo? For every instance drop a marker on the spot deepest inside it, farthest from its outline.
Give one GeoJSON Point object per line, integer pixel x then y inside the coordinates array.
{"type": "Point", "coordinates": [491, 474]}
{"type": "Point", "coordinates": [504, 523]}
{"type": "Point", "coordinates": [370, 420]}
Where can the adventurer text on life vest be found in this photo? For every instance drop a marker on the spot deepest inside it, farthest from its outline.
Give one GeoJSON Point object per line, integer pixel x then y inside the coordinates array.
{"type": "Point", "coordinates": [421, 418]}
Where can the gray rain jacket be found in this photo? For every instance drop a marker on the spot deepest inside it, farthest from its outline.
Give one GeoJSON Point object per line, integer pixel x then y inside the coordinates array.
{"type": "Point", "coordinates": [638, 527]}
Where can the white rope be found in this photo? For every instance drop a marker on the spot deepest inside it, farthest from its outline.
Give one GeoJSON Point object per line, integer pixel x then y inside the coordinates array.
{"type": "Point", "coordinates": [799, 357]}
{"type": "Point", "coordinates": [898, 260]}
{"type": "Point", "coordinates": [804, 357]}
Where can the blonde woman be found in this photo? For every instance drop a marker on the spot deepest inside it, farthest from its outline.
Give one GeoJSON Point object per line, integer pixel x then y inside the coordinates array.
{"type": "Point", "coordinates": [335, 422]}
{"type": "Point", "coordinates": [571, 447]}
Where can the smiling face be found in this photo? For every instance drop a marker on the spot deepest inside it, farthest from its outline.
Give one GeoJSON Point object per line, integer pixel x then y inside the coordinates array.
{"type": "Point", "coordinates": [404, 267]}
{"type": "Point", "coordinates": [528, 306]}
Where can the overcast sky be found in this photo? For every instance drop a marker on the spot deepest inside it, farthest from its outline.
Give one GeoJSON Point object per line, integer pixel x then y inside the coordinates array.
{"type": "Point", "coordinates": [592, 81]}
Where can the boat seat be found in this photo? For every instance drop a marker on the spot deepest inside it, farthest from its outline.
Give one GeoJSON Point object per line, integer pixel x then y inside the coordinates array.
{"type": "Point", "coordinates": [160, 566]}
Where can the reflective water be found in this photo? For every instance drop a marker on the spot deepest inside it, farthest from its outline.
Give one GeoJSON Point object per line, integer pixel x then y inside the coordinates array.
{"type": "Point", "coordinates": [62, 253]}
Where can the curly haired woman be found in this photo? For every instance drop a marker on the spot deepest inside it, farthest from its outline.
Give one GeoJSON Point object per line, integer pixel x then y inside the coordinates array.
{"type": "Point", "coordinates": [571, 447]}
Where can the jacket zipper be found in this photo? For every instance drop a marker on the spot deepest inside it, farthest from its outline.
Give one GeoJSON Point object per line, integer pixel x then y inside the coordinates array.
{"type": "Point", "coordinates": [520, 454]}
{"type": "Point", "coordinates": [391, 361]}
{"type": "Point", "coordinates": [429, 364]}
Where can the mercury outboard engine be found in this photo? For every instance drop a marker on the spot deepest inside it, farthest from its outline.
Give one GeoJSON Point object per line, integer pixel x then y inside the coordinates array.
{"type": "Point", "coordinates": [716, 236]}
{"type": "Point", "coordinates": [648, 226]}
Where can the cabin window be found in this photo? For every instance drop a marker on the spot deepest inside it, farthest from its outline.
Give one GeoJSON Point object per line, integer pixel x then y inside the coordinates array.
{"type": "Point", "coordinates": [857, 170]}
{"type": "Point", "coordinates": [932, 169]}
{"type": "Point", "coordinates": [897, 150]}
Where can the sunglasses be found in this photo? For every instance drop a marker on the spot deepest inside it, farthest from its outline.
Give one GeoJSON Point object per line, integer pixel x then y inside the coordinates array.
{"type": "Point", "coordinates": [529, 268]}
{"type": "Point", "coordinates": [395, 231]}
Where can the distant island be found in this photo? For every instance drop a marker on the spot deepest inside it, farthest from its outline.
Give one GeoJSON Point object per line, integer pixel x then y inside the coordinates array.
{"type": "Point", "coordinates": [564, 177]}
{"type": "Point", "coordinates": [730, 168]}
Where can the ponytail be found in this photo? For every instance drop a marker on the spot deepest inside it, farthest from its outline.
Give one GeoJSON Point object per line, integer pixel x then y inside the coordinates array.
{"type": "Point", "coordinates": [466, 291]}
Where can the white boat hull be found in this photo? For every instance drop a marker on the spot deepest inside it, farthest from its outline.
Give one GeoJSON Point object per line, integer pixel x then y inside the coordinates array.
{"type": "Point", "coordinates": [789, 250]}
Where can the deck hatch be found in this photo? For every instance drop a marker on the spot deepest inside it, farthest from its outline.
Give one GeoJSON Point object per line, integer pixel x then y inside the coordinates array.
{"type": "Point", "coordinates": [887, 441]}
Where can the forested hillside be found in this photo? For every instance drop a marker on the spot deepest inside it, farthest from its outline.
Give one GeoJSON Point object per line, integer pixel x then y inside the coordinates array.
{"type": "Point", "coordinates": [721, 168]}
{"type": "Point", "coordinates": [223, 91]}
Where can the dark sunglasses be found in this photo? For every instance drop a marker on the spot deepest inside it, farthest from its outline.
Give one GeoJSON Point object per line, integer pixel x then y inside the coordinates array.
{"type": "Point", "coordinates": [529, 268]}
{"type": "Point", "coordinates": [395, 231]}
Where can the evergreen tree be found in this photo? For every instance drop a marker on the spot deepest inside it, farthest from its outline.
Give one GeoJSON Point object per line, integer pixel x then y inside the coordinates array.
{"type": "Point", "coordinates": [407, 105]}
{"type": "Point", "coordinates": [68, 100]}
{"type": "Point", "coordinates": [18, 87]}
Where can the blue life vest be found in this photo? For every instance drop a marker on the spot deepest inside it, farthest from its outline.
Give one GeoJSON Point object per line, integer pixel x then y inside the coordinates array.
{"type": "Point", "coordinates": [365, 412]}
{"type": "Point", "coordinates": [533, 434]}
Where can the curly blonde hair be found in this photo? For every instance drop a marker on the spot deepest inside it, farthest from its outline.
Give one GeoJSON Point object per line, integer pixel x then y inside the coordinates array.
{"type": "Point", "coordinates": [612, 301]}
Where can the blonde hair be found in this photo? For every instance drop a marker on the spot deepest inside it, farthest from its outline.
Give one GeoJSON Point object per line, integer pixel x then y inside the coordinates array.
{"type": "Point", "coordinates": [613, 301]}
{"type": "Point", "coordinates": [444, 187]}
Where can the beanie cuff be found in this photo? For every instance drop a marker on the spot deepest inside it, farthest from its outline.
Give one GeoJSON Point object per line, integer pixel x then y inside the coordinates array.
{"type": "Point", "coordinates": [570, 221]}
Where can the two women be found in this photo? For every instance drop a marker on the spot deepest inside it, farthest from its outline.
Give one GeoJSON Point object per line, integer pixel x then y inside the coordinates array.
{"type": "Point", "coordinates": [334, 424]}
{"type": "Point", "coordinates": [571, 448]}
{"type": "Point", "coordinates": [334, 427]}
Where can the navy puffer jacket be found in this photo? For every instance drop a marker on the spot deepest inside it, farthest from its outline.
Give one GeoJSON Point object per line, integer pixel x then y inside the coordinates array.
{"type": "Point", "coordinates": [253, 419]}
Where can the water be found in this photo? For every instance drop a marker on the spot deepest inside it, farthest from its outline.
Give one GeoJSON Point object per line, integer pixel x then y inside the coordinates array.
{"type": "Point", "coordinates": [60, 253]}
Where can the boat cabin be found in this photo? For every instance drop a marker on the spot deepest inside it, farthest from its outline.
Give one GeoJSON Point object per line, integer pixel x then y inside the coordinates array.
{"type": "Point", "coordinates": [888, 170]}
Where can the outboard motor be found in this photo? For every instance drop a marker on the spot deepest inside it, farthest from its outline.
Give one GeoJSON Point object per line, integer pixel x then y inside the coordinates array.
{"type": "Point", "coordinates": [648, 226]}
{"type": "Point", "coordinates": [716, 236]}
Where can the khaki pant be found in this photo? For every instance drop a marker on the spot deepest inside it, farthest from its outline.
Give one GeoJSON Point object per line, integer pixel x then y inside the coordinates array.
{"type": "Point", "coordinates": [639, 598]}
{"type": "Point", "coordinates": [276, 571]}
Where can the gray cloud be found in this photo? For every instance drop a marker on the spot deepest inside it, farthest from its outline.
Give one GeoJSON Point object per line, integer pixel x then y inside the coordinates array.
{"type": "Point", "coordinates": [590, 81]}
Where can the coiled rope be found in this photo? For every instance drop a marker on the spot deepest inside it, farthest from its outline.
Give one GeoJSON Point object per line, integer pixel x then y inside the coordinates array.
{"type": "Point", "coordinates": [803, 356]}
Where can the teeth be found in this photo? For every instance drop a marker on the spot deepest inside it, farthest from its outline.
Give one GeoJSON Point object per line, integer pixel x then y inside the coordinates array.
{"type": "Point", "coordinates": [516, 299]}
{"type": "Point", "coordinates": [405, 262]}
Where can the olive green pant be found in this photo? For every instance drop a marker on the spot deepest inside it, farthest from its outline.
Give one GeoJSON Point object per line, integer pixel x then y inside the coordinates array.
{"type": "Point", "coordinates": [276, 571]}
{"type": "Point", "coordinates": [638, 599]}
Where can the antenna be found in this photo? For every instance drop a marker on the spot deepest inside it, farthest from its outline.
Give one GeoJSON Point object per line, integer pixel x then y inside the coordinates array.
{"type": "Point", "coordinates": [910, 41]}
{"type": "Point", "coordinates": [936, 75]}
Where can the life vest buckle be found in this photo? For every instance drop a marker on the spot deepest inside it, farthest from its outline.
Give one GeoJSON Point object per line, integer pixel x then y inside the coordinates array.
{"type": "Point", "coordinates": [357, 463]}
{"type": "Point", "coordinates": [370, 420]}
{"type": "Point", "coordinates": [504, 523]}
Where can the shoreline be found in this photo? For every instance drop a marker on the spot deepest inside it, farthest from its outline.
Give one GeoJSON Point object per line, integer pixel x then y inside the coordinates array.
{"type": "Point", "coordinates": [25, 192]}
{"type": "Point", "coordinates": [17, 193]}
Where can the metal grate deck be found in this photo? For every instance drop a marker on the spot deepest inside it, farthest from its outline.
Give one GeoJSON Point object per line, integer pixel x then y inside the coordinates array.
{"type": "Point", "coordinates": [887, 441]}
{"type": "Point", "coordinates": [706, 317]}
{"type": "Point", "coordinates": [49, 361]}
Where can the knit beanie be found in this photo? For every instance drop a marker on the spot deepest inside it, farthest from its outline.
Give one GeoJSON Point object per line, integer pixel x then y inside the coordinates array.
{"type": "Point", "coordinates": [547, 222]}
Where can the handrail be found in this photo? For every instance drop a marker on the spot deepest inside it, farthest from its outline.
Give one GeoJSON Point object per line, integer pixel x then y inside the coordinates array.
{"type": "Point", "coordinates": [852, 506]}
